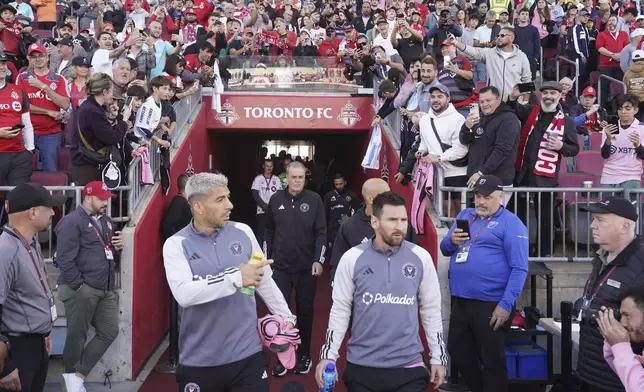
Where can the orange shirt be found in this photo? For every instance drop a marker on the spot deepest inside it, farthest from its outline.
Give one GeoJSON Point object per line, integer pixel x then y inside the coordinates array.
{"type": "Point", "coordinates": [46, 10]}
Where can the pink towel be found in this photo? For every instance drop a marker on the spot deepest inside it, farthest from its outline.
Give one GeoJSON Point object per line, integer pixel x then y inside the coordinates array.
{"type": "Point", "coordinates": [274, 334]}
{"type": "Point", "coordinates": [147, 177]}
{"type": "Point", "coordinates": [423, 184]}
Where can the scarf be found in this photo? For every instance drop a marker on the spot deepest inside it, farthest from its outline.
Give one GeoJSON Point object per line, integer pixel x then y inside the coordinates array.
{"type": "Point", "coordinates": [547, 161]}
{"type": "Point", "coordinates": [423, 188]}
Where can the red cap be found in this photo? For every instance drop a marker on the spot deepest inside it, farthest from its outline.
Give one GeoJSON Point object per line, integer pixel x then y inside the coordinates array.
{"type": "Point", "coordinates": [84, 30]}
{"type": "Point", "coordinates": [190, 11]}
{"type": "Point", "coordinates": [107, 24]}
{"type": "Point", "coordinates": [447, 43]}
{"type": "Point", "coordinates": [98, 189]}
{"type": "Point", "coordinates": [36, 47]}
{"type": "Point", "coordinates": [589, 92]}
{"type": "Point", "coordinates": [248, 30]}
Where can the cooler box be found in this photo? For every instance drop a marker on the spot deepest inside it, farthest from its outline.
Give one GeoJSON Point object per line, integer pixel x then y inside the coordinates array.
{"type": "Point", "coordinates": [531, 360]}
{"type": "Point", "coordinates": [511, 362]}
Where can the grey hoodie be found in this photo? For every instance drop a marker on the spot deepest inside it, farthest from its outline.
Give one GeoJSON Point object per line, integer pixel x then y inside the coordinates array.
{"type": "Point", "coordinates": [503, 73]}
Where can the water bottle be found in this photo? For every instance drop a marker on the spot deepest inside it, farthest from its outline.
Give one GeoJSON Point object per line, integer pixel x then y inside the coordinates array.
{"type": "Point", "coordinates": [256, 259]}
{"type": "Point", "coordinates": [329, 376]}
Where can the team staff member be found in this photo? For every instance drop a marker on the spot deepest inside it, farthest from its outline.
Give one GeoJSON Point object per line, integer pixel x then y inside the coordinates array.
{"type": "Point", "coordinates": [383, 283]}
{"type": "Point", "coordinates": [295, 238]}
{"type": "Point", "coordinates": [487, 273]}
{"type": "Point", "coordinates": [87, 253]}
{"type": "Point", "coordinates": [263, 188]}
{"type": "Point", "coordinates": [178, 214]}
{"type": "Point", "coordinates": [618, 264]}
{"type": "Point", "coordinates": [47, 94]}
{"type": "Point", "coordinates": [358, 229]}
{"type": "Point", "coordinates": [339, 205]}
{"type": "Point", "coordinates": [15, 143]}
{"type": "Point", "coordinates": [206, 264]}
{"type": "Point", "coordinates": [27, 305]}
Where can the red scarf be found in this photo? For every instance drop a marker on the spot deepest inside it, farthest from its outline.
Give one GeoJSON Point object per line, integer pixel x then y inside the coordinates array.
{"type": "Point", "coordinates": [547, 161]}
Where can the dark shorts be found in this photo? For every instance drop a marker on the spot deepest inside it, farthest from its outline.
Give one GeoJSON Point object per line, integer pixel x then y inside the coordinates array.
{"type": "Point", "coordinates": [457, 181]}
{"type": "Point", "coordinates": [248, 375]}
{"type": "Point", "coordinates": [369, 379]}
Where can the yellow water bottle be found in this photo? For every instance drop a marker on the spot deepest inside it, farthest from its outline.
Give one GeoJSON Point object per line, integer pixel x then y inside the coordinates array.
{"type": "Point", "coordinates": [256, 259]}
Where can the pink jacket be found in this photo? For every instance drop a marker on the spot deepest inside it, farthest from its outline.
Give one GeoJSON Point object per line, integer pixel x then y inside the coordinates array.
{"type": "Point", "coordinates": [274, 334]}
{"type": "Point", "coordinates": [147, 177]}
{"type": "Point", "coordinates": [626, 365]}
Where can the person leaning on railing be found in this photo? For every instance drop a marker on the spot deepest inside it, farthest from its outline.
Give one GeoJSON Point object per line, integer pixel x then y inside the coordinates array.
{"type": "Point", "coordinates": [93, 135]}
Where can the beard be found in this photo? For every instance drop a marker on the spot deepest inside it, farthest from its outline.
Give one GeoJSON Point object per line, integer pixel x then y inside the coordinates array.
{"type": "Point", "coordinates": [483, 212]}
{"type": "Point", "coordinates": [549, 106]}
{"type": "Point", "coordinates": [393, 241]}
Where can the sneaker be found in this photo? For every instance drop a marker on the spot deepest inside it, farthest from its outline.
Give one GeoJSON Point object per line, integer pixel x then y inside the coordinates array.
{"type": "Point", "coordinates": [73, 383]}
{"type": "Point", "coordinates": [303, 365]}
{"type": "Point", "coordinates": [279, 370]}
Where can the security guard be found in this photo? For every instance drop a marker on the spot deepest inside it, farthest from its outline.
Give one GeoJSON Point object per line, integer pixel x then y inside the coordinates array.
{"type": "Point", "coordinates": [339, 205]}
{"type": "Point", "coordinates": [27, 308]}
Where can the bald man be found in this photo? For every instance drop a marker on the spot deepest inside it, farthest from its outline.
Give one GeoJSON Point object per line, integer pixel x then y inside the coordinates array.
{"type": "Point", "coordinates": [357, 229]}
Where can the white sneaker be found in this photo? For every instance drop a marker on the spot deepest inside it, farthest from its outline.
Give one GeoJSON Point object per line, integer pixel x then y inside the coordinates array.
{"type": "Point", "coordinates": [73, 383]}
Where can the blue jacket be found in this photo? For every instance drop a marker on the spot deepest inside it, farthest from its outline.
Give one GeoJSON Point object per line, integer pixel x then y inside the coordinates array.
{"type": "Point", "coordinates": [497, 264]}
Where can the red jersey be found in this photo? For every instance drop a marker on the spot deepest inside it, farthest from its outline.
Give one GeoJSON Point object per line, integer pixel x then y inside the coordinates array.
{"type": "Point", "coordinates": [76, 96]}
{"type": "Point", "coordinates": [10, 36]}
{"type": "Point", "coordinates": [43, 124]}
{"type": "Point", "coordinates": [193, 64]}
{"type": "Point", "coordinates": [203, 8]}
{"type": "Point", "coordinates": [13, 103]}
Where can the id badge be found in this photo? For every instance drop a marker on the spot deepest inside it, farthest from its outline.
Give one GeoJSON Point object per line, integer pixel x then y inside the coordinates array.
{"type": "Point", "coordinates": [108, 254]}
{"type": "Point", "coordinates": [585, 305]}
{"type": "Point", "coordinates": [461, 257]}
{"type": "Point", "coordinates": [52, 309]}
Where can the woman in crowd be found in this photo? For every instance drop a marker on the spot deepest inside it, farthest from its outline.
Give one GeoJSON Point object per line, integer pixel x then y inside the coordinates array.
{"type": "Point", "coordinates": [95, 139]}
{"type": "Point", "coordinates": [174, 66]}
{"type": "Point", "coordinates": [80, 73]}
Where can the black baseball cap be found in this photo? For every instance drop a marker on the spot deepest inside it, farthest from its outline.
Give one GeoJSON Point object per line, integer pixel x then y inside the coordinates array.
{"type": "Point", "coordinates": [486, 185]}
{"type": "Point", "coordinates": [30, 195]}
{"type": "Point", "coordinates": [66, 25]}
{"type": "Point", "coordinates": [66, 42]}
{"type": "Point", "coordinates": [617, 205]}
{"type": "Point", "coordinates": [3, 57]}
{"type": "Point", "coordinates": [81, 61]}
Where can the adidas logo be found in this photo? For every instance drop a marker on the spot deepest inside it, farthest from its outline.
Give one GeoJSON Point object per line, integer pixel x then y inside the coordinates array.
{"type": "Point", "coordinates": [194, 257]}
{"type": "Point", "coordinates": [368, 271]}
{"type": "Point", "coordinates": [264, 376]}
{"type": "Point", "coordinates": [365, 239]}
{"type": "Point", "coordinates": [281, 207]}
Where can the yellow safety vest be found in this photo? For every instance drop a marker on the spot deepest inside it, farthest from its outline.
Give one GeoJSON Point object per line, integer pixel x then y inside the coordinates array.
{"type": "Point", "coordinates": [499, 6]}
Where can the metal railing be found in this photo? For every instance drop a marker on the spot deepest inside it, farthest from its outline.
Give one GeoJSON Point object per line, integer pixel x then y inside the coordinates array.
{"type": "Point", "coordinates": [184, 110]}
{"type": "Point", "coordinates": [609, 80]}
{"type": "Point", "coordinates": [575, 63]}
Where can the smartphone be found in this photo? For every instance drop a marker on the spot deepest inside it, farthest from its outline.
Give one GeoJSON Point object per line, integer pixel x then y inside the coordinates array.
{"type": "Point", "coordinates": [464, 225]}
{"type": "Point", "coordinates": [140, 75]}
{"type": "Point", "coordinates": [447, 60]}
{"type": "Point", "coordinates": [18, 127]}
{"type": "Point", "coordinates": [527, 87]}
{"type": "Point", "coordinates": [613, 120]}
{"type": "Point", "coordinates": [474, 110]}
{"type": "Point", "coordinates": [128, 102]}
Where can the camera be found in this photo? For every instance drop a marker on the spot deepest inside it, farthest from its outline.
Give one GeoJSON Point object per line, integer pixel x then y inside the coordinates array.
{"type": "Point", "coordinates": [591, 315]}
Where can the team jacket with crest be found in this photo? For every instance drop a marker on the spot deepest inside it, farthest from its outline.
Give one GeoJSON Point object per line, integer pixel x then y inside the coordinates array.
{"type": "Point", "coordinates": [295, 233]}
{"type": "Point", "coordinates": [218, 322]}
{"type": "Point", "coordinates": [339, 206]}
{"type": "Point", "coordinates": [385, 290]}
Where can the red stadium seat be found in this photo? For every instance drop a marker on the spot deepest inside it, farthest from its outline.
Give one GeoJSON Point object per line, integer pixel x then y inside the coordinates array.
{"type": "Point", "coordinates": [50, 178]}
{"type": "Point", "coordinates": [64, 159]}
{"type": "Point", "coordinates": [590, 162]}
{"type": "Point", "coordinates": [594, 78]}
{"type": "Point", "coordinates": [576, 180]}
{"type": "Point", "coordinates": [616, 89]}
{"type": "Point", "coordinates": [42, 33]}
{"type": "Point", "coordinates": [480, 85]}
{"type": "Point", "coordinates": [596, 141]}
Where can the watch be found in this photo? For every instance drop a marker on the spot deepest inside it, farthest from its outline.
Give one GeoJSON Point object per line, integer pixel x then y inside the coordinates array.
{"type": "Point", "coordinates": [5, 340]}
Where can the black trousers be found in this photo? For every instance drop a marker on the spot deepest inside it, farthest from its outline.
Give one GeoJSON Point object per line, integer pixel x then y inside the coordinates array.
{"type": "Point", "coordinates": [367, 379]}
{"type": "Point", "coordinates": [15, 167]}
{"type": "Point", "coordinates": [477, 350]}
{"type": "Point", "coordinates": [259, 230]}
{"type": "Point", "coordinates": [545, 222]}
{"type": "Point", "coordinates": [248, 375]}
{"type": "Point", "coordinates": [304, 284]}
{"type": "Point", "coordinates": [29, 356]}
{"type": "Point", "coordinates": [590, 388]}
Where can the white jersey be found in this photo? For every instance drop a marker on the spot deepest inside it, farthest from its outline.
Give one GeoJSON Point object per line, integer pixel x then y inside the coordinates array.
{"type": "Point", "coordinates": [266, 188]}
{"type": "Point", "coordinates": [147, 119]}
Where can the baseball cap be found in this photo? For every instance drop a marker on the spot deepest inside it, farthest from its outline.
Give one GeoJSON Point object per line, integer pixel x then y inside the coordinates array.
{"type": "Point", "coordinates": [248, 30]}
{"type": "Point", "coordinates": [8, 7]}
{"type": "Point", "coordinates": [81, 61]}
{"type": "Point", "coordinates": [486, 185]}
{"type": "Point", "coordinates": [589, 92]}
{"type": "Point", "coordinates": [83, 30]}
{"type": "Point", "coordinates": [504, 12]}
{"type": "Point", "coordinates": [551, 86]}
{"type": "Point", "coordinates": [613, 205]}
{"type": "Point", "coordinates": [36, 47]}
{"type": "Point", "coordinates": [381, 20]}
{"type": "Point", "coordinates": [638, 55]}
{"type": "Point", "coordinates": [3, 57]}
{"type": "Point", "coordinates": [583, 12]}
{"type": "Point", "coordinates": [639, 18]}
{"type": "Point", "coordinates": [107, 25]}
{"type": "Point", "coordinates": [190, 11]}
{"type": "Point", "coordinates": [330, 30]}
{"type": "Point", "coordinates": [637, 33]}
{"type": "Point", "coordinates": [30, 195]}
{"type": "Point", "coordinates": [98, 189]}
{"type": "Point", "coordinates": [66, 25]}
{"type": "Point", "coordinates": [348, 27]}
{"type": "Point", "coordinates": [66, 42]}
{"type": "Point", "coordinates": [440, 87]}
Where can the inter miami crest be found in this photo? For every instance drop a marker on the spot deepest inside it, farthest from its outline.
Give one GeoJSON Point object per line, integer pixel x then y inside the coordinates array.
{"type": "Point", "coordinates": [348, 115]}
{"type": "Point", "coordinates": [236, 248]}
{"type": "Point", "coordinates": [228, 115]}
{"type": "Point", "coordinates": [409, 271]}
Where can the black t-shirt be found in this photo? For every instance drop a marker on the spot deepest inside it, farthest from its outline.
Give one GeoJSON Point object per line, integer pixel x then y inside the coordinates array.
{"type": "Point", "coordinates": [409, 48]}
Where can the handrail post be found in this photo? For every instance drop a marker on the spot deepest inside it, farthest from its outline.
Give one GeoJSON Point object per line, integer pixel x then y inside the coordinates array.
{"type": "Point", "coordinates": [576, 77]}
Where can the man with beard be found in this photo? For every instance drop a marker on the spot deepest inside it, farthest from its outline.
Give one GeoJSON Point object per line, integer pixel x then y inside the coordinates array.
{"type": "Point", "coordinates": [547, 137]}
{"type": "Point", "coordinates": [65, 32]}
{"type": "Point", "coordinates": [358, 229]}
{"type": "Point", "coordinates": [384, 283]}
{"type": "Point", "coordinates": [162, 49]}
{"type": "Point", "coordinates": [263, 188]}
{"type": "Point", "coordinates": [488, 268]}
{"type": "Point", "coordinates": [610, 44]}
{"type": "Point", "coordinates": [339, 205]}
{"type": "Point", "coordinates": [87, 255]}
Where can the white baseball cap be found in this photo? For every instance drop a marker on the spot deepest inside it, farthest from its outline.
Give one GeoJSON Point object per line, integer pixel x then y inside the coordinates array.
{"type": "Point", "coordinates": [638, 55]}
{"type": "Point", "coordinates": [637, 33]}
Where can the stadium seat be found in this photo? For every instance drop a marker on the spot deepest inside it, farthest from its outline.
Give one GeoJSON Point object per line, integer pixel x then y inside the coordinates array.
{"type": "Point", "coordinates": [43, 33]}
{"type": "Point", "coordinates": [596, 141]}
{"type": "Point", "coordinates": [590, 162]}
{"type": "Point", "coordinates": [594, 78]}
{"type": "Point", "coordinates": [576, 180]}
{"type": "Point", "coordinates": [616, 89]}
{"type": "Point", "coordinates": [50, 178]}
{"type": "Point", "coordinates": [480, 85]}
{"type": "Point", "coordinates": [64, 159]}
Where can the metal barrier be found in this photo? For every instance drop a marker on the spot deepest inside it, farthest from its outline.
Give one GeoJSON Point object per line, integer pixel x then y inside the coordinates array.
{"type": "Point", "coordinates": [184, 110]}
{"type": "Point", "coordinates": [576, 65]}
{"type": "Point", "coordinates": [610, 80]}
{"type": "Point", "coordinates": [540, 66]}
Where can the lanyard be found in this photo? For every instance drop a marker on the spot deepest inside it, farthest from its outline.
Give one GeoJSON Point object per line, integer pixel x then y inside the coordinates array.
{"type": "Point", "coordinates": [100, 238]}
{"type": "Point", "coordinates": [268, 182]}
{"type": "Point", "coordinates": [16, 234]}
{"type": "Point", "coordinates": [480, 230]}
{"type": "Point", "coordinates": [601, 283]}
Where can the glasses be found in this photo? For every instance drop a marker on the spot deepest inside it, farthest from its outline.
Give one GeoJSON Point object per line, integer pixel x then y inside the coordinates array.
{"type": "Point", "coordinates": [503, 35]}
